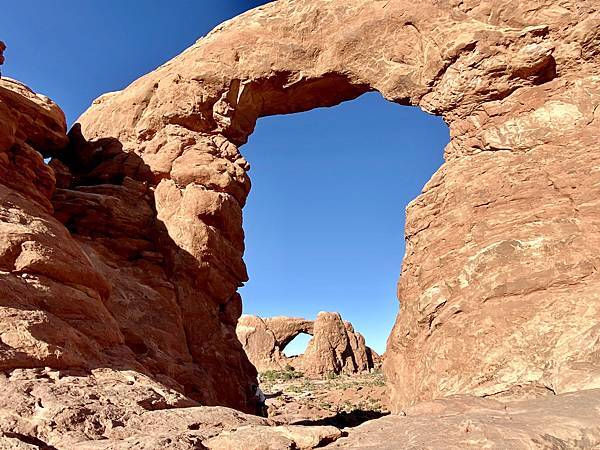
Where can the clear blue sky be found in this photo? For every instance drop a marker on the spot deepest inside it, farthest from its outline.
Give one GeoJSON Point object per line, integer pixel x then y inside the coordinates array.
{"type": "Point", "coordinates": [325, 219]}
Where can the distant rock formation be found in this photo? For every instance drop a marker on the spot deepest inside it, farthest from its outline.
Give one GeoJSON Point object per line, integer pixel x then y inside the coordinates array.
{"type": "Point", "coordinates": [335, 347]}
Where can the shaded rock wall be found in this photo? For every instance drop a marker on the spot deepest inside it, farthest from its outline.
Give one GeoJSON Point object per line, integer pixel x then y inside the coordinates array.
{"type": "Point", "coordinates": [499, 287]}
{"type": "Point", "coordinates": [335, 347]}
{"type": "Point", "coordinates": [90, 278]}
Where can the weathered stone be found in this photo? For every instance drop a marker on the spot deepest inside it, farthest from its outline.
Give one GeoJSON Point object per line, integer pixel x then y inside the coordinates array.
{"type": "Point", "coordinates": [565, 421]}
{"type": "Point", "coordinates": [264, 339]}
{"type": "Point", "coordinates": [335, 347]}
{"type": "Point", "coordinates": [2, 48]}
{"type": "Point", "coordinates": [499, 286]}
{"type": "Point", "coordinates": [134, 262]}
{"type": "Point", "coordinates": [91, 278]}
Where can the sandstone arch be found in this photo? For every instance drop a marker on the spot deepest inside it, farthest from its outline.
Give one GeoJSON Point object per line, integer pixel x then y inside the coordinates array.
{"type": "Point", "coordinates": [499, 282]}
{"type": "Point", "coordinates": [518, 89]}
{"type": "Point", "coordinates": [335, 347]}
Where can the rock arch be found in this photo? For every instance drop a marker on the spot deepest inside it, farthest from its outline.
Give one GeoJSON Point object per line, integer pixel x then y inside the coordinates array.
{"type": "Point", "coordinates": [501, 82]}
{"type": "Point", "coordinates": [499, 283]}
{"type": "Point", "coordinates": [518, 89]}
{"type": "Point", "coordinates": [335, 347]}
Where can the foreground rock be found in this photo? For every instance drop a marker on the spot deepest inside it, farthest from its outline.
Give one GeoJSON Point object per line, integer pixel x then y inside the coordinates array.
{"type": "Point", "coordinates": [90, 277]}
{"type": "Point", "coordinates": [565, 421]}
{"type": "Point", "coordinates": [133, 263]}
{"type": "Point", "coordinates": [334, 349]}
{"type": "Point", "coordinates": [121, 410]}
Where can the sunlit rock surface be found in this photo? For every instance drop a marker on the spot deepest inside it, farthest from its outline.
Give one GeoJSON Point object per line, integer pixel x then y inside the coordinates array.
{"type": "Point", "coordinates": [335, 347]}
{"type": "Point", "coordinates": [125, 254]}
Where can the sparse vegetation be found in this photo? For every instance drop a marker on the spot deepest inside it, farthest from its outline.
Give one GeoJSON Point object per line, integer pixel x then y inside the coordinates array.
{"type": "Point", "coordinates": [272, 376]}
{"type": "Point", "coordinates": [343, 397]}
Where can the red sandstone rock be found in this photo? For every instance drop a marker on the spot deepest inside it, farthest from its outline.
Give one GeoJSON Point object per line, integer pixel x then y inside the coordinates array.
{"type": "Point", "coordinates": [499, 287]}
{"type": "Point", "coordinates": [335, 347]}
{"type": "Point", "coordinates": [2, 48]}
{"type": "Point", "coordinates": [464, 422]}
{"type": "Point", "coordinates": [264, 339]}
{"type": "Point", "coordinates": [134, 262]}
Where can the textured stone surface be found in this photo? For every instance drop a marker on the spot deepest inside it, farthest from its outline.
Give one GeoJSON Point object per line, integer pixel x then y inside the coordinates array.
{"type": "Point", "coordinates": [2, 48]}
{"type": "Point", "coordinates": [133, 262]}
{"type": "Point", "coordinates": [499, 287]}
{"type": "Point", "coordinates": [334, 348]}
{"type": "Point", "coordinates": [565, 421]}
{"type": "Point", "coordinates": [90, 277]}
{"type": "Point", "coordinates": [110, 409]}
{"type": "Point", "coordinates": [264, 339]}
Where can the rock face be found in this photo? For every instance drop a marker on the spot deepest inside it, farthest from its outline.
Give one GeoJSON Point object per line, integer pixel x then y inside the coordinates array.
{"type": "Point", "coordinates": [2, 48]}
{"type": "Point", "coordinates": [92, 287]}
{"type": "Point", "coordinates": [499, 287]}
{"type": "Point", "coordinates": [133, 263]}
{"type": "Point", "coordinates": [335, 347]}
{"type": "Point", "coordinates": [565, 421]}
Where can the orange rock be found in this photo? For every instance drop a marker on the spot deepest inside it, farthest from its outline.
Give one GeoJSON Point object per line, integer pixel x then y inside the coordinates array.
{"type": "Point", "coordinates": [134, 262]}
{"type": "Point", "coordinates": [499, 287]}
{"type": "Point", "coordinates": [334, 348]}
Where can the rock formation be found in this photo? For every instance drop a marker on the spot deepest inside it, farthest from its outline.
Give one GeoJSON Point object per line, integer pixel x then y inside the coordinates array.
{"type": "Point", "coordinates": [2, 48]}
{"type": "Point", "coordinates": [123, 280]}
{"type": "Point", "coordinates": [94, 348]}
{"type": "Point", "coordinates": [335, 347]}
{"type": "Point", "coordinates": [107, 285]}
{"type": "Point", "coordinates": [499, 287]}
{"type": "Point", "coordinates": [565, 421]}
{"type": "Point", "coordinates": [264, 339]}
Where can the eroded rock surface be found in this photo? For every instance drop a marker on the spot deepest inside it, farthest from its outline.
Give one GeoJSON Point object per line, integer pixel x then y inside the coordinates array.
{"type": "Point", "coordinates": [565, 421]}
{"type": "Point", "coordinates": [126, 253]}
{"type": "Point", "coordinates": [499, 286]}
{"type": "Point", "coordinates": [264, 339]}
{"type": "Point", "coordinates": [334, 348]}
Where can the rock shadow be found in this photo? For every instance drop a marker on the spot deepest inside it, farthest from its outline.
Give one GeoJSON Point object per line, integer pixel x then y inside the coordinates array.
{"type": "Point", "coordinates": [345, 419]}
{"type": "Point", "coordinates": [168, 323]}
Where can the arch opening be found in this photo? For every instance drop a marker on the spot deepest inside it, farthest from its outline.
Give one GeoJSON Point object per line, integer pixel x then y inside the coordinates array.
{"type": "Point", "coordinates": [297, 346]}
{"type": "Point", "coordinates": [324, 222]}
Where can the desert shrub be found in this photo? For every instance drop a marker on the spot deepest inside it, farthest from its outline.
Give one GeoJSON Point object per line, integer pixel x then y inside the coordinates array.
{"type": "Point", "coordinates": [289, 373]}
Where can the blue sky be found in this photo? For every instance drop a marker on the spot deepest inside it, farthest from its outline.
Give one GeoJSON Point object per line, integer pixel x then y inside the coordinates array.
{"type": "Point", "coordinates": [325, 219]}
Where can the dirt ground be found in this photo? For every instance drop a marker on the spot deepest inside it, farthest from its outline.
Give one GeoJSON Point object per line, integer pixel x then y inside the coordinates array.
{"type": "Point", "coordinates": [342, 401]}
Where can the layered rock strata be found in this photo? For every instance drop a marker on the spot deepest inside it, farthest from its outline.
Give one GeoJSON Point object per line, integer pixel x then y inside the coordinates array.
{"type": "Point", "coordinates": [335, 347]}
